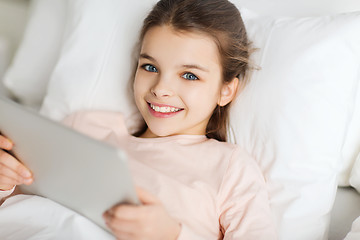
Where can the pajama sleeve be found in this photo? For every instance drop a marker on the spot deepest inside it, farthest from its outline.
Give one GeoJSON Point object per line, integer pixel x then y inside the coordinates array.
{"type": "Point", "coordinates": [243, 201]}
{"type": "Point", "coordinates": [4, 194]}
{"type": "Point", "coordinates": [187, 233]}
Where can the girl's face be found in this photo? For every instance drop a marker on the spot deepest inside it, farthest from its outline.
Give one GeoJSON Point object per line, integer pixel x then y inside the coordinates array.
{"type": "Point", "coordinates": [178, 82]}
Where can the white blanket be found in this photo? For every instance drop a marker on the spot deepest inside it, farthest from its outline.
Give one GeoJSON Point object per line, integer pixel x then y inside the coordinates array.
{"type": "Point", "coordinates": [32, 217]}
{"type": "Point", "coordinates": [36, 218]}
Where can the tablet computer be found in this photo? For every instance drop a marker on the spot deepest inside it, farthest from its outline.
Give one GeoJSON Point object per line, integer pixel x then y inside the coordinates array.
{"type": "Point", "coordinates": [81, 173]}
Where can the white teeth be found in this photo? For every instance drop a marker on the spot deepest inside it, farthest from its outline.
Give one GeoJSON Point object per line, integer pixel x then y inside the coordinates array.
{"type": "Point", "coordinates": [164, 109]}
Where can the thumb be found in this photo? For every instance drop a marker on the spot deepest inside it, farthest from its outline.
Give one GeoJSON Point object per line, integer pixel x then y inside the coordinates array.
{"type": "Point", "coordinates": [146, 197]}
{"type": "Point", "coordinates": [5, 143]}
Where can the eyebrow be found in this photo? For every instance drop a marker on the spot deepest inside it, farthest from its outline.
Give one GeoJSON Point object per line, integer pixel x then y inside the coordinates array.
{"type": "Point", "coordinates": [192, 66]}
{"type": "Point", "coordinates": [147, 56]}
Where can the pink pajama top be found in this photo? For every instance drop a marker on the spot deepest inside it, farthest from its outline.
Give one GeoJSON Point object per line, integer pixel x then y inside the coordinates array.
{"type": "Point", "coordinates": [214, 189]}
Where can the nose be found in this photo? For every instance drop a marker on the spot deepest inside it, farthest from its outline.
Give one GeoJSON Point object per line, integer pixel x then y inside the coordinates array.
{"type": "Point", "coordinates": [162, 88]}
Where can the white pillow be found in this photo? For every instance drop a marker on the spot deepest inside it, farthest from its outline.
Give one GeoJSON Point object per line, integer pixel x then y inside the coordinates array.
{"type": "Point", "coordinates": [29, 73]}
{"type": "Point", "coordinates": [295, 113]}
{"type": "Point", "coordinates": [351, 145]}
{"type": "Point", "coordinates": [355, 174]}
{"type": "Point", "coordinates": [96, 61]}
{"type": "Point", "coordinates": [293, 116]}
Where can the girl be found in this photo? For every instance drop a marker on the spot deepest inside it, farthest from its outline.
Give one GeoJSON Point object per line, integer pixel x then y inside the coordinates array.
{"type": "Point", "coordinates": [192, 56]}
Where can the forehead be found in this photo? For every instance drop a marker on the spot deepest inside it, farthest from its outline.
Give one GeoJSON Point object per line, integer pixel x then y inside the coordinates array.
{"type": "Point", "coordinates": [163, 42]}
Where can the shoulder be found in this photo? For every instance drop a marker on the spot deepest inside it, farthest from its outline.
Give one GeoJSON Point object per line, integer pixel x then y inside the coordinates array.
{"type": "Point", "coordinates": [246, 165]}
{"type": "Point", "coordinates": [234, 162]}
{"type": "Point", "coordinates": [97, 124]}
{"type": "Point", "coordinates": [99, 117]}
{"type": "Point", "coordinates": [223, 146]}
{"type": "Point", "coordinates": [242, 178]}
{"type": "Point", "coordinates": [243, 199]}
{"type": "Point", "coordinates": [241, 169]}
{"type": "Point", "coordinates": [236, 154]}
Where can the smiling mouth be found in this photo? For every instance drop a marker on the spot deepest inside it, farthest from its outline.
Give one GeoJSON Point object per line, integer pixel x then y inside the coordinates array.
{"type": "Point", "coordinates": [164, 109]}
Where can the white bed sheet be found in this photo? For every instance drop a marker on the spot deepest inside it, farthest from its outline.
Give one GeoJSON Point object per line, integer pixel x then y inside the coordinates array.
{"type": "Point", "coordinates": [37, 218]}
{"type": "Point", "coordinates": [32, 217]}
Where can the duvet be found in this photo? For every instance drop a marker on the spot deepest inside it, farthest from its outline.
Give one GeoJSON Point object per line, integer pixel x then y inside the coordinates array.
{"type": "Point", "coordinates": [33, 217]}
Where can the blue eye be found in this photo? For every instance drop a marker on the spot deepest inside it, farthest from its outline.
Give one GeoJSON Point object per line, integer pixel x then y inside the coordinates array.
{"type": "Point", "coordinates": [149, 68]}
{"type": "Point", "coordinates": [190, 76]}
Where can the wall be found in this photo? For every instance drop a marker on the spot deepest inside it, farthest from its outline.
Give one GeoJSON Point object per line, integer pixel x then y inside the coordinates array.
{"type": "Point", "coordinates": [301, 8]}
{"type": "Point", "coordinates": [13, 16]}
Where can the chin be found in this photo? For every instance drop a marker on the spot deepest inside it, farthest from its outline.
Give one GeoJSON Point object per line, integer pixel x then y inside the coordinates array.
{"type": "Point", "coordinates": [161, 132]}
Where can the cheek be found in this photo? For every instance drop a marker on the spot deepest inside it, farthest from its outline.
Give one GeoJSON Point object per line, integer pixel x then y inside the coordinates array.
{"type": "Point", "coordinates": [138, 92]}
{"type": "Point", "coordinates": [136, 89]}
{"type": "Point", "coordinates": [140, 85]}
{"type": "Point", "coordinates": [203, 99]}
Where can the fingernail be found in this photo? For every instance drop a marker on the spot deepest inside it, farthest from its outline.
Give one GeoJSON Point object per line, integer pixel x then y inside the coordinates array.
{"type": "Point", "coordinates": [9, 144]}
{"type": "Point", "coordinates": [26, 173]}
{"type": "Point", "coordinates": [28, 181]}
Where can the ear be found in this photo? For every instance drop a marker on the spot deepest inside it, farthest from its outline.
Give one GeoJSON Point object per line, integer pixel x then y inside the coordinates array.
{"type": "Point", "coordinates": [228, 92]}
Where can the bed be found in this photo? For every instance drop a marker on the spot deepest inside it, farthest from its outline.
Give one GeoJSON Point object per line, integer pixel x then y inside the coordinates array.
{"type": "Point", "coordinates": [299, 116]}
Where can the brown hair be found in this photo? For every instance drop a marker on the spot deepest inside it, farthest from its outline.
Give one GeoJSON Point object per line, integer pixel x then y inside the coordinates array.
{"type": "Point", "coordinates": [220, 20]}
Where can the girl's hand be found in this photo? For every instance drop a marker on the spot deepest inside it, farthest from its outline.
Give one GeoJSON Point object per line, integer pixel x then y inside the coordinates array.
{"type": "Point", "coordinates": [148, 221]}
{"type": "Point", "coordinates": [12, 172]}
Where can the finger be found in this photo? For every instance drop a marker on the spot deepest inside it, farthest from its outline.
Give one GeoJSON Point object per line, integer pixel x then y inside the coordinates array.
{"type": "Point", "coordinates": [124, 212]}
{"type": "Point", "coordinates": [5, 143]}
{"type": "Point", "coordinates": [14, 164]}
{"type": "Point", "coordinates": [6, 187]}
{"type": "Point", "coordinates": [9, 173]}
{"type": "Point", "coordinates": [122, 227]}
{"type": "Point", "coordinates": [7, 183]}
{"type": "Point", "coordinates": [146, 197]}
{"type": "Point", "coordinates": [121, 235]}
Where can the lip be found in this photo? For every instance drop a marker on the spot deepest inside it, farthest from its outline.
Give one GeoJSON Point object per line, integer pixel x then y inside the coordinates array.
{"type": "Point", "coordinates": [160, 114]}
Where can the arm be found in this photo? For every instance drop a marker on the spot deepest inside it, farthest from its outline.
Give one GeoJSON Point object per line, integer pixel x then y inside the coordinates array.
{"type": "Point", "coordinates": [187, 233]}
{"type": "Point", "coordinates": [244, 203]}
{"type": "Point", "coordinates": [96, 125]}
